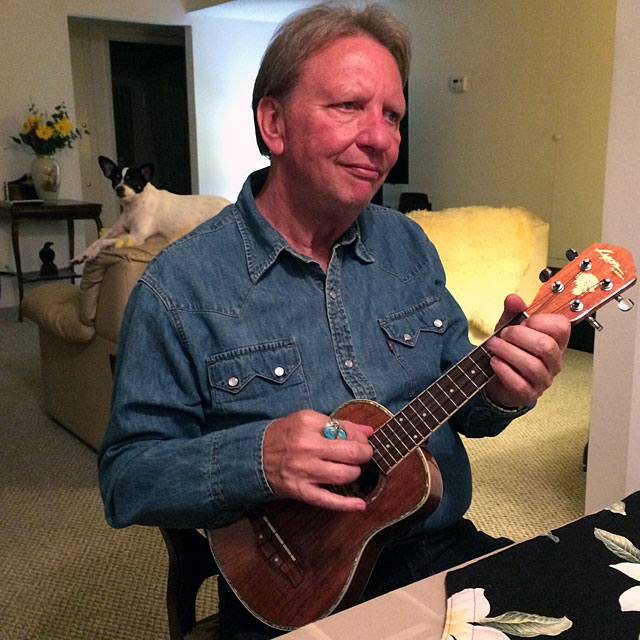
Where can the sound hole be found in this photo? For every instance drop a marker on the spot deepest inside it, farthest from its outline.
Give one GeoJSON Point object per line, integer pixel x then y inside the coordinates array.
{"type": "Point", "coordinates": [363, 487]}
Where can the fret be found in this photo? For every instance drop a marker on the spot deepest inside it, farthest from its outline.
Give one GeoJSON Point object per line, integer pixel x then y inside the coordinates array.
{"type": "Point", "coordinates": [438, 410]}
{"type": "Point", "coordinates": [416, 437]}
{"type": "Point", "coordinates": [425, 412]}
{"type": "Point", "coordinates": [386, 446]}
{"type": "Point", "coordinates": [411, 426]}
{"type": "Point", "coordinates": [408, 442]}
{"type": "Point", "coordinates": [379, 458]}
{"type": "Point", "coordinates": [448, 396]}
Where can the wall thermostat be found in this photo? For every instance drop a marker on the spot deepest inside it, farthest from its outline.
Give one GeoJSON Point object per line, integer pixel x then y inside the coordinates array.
{"type": "Point", "coordinates": [458, 84]}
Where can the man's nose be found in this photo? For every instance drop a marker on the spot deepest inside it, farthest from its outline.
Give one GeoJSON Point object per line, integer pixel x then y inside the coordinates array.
{"type": "Point", "coordinates": [378, 133]}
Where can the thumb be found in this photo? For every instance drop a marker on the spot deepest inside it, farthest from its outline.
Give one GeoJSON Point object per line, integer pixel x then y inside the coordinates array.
{"type": "Point", "coordinates": [513, 305]}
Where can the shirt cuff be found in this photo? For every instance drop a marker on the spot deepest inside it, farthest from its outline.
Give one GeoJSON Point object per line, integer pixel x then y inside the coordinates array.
{"type": "Point", "coordinates": [498, 407]}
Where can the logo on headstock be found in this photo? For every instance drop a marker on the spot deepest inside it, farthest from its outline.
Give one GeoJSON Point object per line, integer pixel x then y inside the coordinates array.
{"type": "Point", "coordinates": [584, 283]}
{"type": "Point", "coordinates": [605, 254]}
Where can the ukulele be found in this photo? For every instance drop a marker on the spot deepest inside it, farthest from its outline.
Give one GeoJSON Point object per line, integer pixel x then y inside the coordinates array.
{"type": "Point", "coordinates": [291, 563]}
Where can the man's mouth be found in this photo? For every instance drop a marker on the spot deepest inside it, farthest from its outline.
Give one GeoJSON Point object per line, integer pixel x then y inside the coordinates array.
{"type": "Point", "coordinates": [365, 171]}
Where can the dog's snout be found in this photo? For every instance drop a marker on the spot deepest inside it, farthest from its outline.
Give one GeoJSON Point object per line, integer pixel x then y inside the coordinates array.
{"type": "Point", "coordinates": [119, 191]}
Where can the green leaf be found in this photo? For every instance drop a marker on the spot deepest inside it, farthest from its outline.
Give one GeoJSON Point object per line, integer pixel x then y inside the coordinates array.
{"type": "Point", "coordinates": [528, 625]}
{"type": "Point", "coordinates": [619, 545]}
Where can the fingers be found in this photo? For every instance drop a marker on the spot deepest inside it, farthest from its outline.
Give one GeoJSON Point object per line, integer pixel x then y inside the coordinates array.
{"type": "Point", "coordinates": [526, 358]}
{"type": "Point", "coordinates": [513, 305]}
{"type": "Point", "coordinates": [298, 459]}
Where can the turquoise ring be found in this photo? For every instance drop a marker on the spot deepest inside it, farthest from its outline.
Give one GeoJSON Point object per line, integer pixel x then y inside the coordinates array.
{"type": "Point", "coordinates": [334, 430]}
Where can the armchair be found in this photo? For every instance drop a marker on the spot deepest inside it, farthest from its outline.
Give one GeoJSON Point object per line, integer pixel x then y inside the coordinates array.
{"type": "Point", "coordinates": [78, 331]}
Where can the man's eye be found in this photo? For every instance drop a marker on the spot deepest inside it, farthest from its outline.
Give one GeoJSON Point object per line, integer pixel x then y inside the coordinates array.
{"type": "Point", "coordinates": [392, 116]}
{"type": "Point", "coordinates": [349, 104]}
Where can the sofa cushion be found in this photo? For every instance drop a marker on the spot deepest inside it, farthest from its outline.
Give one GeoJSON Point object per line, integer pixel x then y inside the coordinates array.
{"type": "Point", "coordinates": [487, 253]}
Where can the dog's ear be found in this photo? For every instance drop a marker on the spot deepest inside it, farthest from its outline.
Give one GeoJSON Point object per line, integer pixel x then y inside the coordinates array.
{"type": "Point", "coordinates": [147, 171]}
{"type": "Point", "coordinates": [106, 165]}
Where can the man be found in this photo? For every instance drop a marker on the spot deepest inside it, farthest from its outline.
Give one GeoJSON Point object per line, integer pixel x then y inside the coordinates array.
{"type": "Point", "coordinates": [242, 337]}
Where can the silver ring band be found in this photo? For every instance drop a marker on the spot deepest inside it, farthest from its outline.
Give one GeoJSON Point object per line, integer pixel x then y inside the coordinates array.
{"type": "Point", "coordinates": [334, 429]}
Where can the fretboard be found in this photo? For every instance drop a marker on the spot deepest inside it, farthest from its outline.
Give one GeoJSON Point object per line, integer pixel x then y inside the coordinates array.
{"type": "Point", "coordinates": [411, 426]}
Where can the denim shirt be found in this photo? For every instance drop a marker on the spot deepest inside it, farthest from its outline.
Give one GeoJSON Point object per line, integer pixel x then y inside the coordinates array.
{"type": "Point", "coordinates": [230, 328]}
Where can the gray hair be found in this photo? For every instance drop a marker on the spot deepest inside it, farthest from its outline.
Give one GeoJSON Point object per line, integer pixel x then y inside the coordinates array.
{"type": "Point", "coordinates": [303, 33]}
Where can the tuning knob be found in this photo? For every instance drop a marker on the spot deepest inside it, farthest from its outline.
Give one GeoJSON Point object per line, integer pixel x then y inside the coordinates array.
{"type": "Point", "coordinates": [576, 305]}
{"type": "Point", "coordinates": [594, 323]}
{"type": "Point", "coordinates": [624, 304]}
{"type": "Point", "coordinates": [585, 264]}
{"type": "Point", "coordinates": [571, 254]}
{"type": "Point", "coordinates": [545, 274]}
{"type": "Point", "coordinates": [557, 287]}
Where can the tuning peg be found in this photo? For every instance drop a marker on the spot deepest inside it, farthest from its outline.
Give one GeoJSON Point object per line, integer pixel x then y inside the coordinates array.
{"type": "Point", "coordinates": [545, 274]}
{"type": "Point", "coordinates": [585, 264]}
{"type": "Point", "coordinates": [624, 304]}
{"type": "Point", "coordinates": [571, 254]}
{"type": "Point", "coordinates": [606, 284]}
{"type": "Point", "coordinates": [594, 323]}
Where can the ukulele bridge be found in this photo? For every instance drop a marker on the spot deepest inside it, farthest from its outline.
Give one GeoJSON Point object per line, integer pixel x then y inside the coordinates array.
{"type": "Point", "coordinates": [275, 549]}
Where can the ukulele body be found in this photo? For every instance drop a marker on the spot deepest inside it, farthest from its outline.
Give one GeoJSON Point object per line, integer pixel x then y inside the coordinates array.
{"type": "Point", "coordinates": [291, 563]}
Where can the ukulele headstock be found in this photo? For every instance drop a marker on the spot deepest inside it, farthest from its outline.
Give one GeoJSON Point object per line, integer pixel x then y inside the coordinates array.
{"type": "Point", "coordinates": [589, 281]}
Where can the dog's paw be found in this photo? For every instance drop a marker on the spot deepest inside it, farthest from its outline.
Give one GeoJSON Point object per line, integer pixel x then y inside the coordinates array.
{"type": "Point", "coordinates": [127, 241]}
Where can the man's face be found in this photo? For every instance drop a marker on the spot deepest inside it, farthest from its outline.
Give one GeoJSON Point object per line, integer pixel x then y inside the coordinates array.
{"type": "Point", "coordinates": [341, 123]}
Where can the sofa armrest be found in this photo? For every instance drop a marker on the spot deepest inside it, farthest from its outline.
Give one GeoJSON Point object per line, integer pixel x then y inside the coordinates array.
{"type": "Point", "coordinates": [108, 280]}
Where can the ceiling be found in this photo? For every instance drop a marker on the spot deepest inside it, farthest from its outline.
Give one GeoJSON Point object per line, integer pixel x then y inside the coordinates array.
{"type": "Point", "coordinates": [260, 10]}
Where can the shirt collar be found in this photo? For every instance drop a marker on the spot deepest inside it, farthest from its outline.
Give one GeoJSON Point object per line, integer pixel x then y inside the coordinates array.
{"type": "Point", "coordinates": [263, 244]}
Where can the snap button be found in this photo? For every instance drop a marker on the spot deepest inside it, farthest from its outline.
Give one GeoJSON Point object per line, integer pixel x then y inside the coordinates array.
{"type": "Point", "coordinates": [333, 295]}
{"type": "Point", "coordinates": [407, 336]}
{"type": "Point", "coordinates": [279, 371]}
{"type": "Point", "coordinates": [437, 323]}
{"type": "Point", "coordinates": [233, 381]}
{"type": "Point", "coordinates": [348, 363]}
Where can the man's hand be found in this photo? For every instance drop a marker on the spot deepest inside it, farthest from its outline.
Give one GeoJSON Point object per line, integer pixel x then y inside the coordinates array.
{"type": "Point", "coordinates": [297, 459]}
{"type": "Point", "coordinates": [526, 357]}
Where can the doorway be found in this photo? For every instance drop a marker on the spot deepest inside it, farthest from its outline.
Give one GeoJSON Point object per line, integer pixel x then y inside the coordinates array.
{"type": "Point", "coordinates": [150, 110]}
{"type": "Point", "coordinates": [132, 92]}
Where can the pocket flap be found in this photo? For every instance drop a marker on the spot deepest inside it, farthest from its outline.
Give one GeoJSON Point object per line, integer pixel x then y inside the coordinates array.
{"type": "Point", "coordinates": [232, 370]}
{"type": "Point", "coordinates": [405, 326]}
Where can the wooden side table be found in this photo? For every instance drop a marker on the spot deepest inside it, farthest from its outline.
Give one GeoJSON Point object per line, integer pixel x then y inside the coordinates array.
{"type": "Point", "coordinates": [69, 210]}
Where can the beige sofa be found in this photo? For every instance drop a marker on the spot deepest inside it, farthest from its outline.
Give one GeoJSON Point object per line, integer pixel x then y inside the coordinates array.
{"type": "Point", "coordinates": [78, 328]}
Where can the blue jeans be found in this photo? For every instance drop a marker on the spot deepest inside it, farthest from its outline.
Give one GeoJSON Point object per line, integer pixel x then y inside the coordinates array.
{"type": "Point", "coordinates": [396, 567]}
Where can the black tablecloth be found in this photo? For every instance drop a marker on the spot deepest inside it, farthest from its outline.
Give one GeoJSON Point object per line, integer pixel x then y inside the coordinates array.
{"type": "Point", "coordinates": [563, 581]}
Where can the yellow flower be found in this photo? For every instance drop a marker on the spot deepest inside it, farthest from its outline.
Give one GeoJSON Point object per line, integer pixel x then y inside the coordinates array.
{"type": "Point", "coordinates": [31, 123]}
{"type": "Point", "coordinates": [44, 131]}
{"type": "Point", "coordinates": [63, 127]}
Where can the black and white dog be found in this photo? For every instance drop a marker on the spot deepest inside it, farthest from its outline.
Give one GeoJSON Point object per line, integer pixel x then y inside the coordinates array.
{"type": "Point", "coordinates": [147, 211]}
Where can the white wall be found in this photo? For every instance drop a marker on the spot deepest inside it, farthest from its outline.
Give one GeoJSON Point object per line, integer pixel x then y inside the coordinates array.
{"type": "Point", "coordinates": [538, 70]}
{"type": "Point", "coordinates": [226, 55]}
{"type": "Point", "coordinates": [614, 440]}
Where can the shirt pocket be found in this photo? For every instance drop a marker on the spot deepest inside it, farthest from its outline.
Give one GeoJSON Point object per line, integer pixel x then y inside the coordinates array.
{"type": "Point", "coordinates": [415, 336]}
{"type": "Point", "coordinates": [258, 381]}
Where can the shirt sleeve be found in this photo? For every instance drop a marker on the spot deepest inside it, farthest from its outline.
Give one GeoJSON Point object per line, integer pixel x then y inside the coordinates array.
{"type": "Point", "coordinates": [164, 462]}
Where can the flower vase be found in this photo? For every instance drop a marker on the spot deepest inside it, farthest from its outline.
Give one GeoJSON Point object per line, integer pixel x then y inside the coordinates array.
{"type": "Point", "coordinates": [45, 171]}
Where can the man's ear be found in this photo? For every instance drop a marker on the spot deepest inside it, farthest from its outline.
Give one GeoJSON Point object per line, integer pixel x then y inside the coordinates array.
{"type": "Point", "coordinates": [271, 122]}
